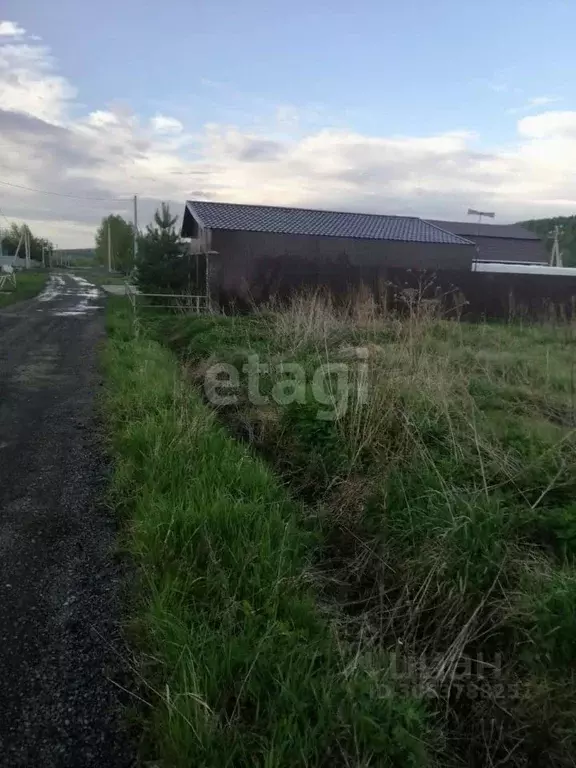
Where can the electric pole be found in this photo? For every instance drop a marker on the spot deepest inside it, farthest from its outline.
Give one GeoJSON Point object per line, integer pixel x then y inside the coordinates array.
{"type": "Point", "coordinates": [27, 247]}
{"type": "Point", "coordinates": [109, 246]}
{"type": "Point", "coordinates": [19, 244]}
{"type": "Point", "coordinates": [556, 255]}
{"type": "Point", "coordinates": [135, 228]}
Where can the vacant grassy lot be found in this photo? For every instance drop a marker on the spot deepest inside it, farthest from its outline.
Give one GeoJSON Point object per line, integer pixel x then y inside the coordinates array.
{"type": "Point", "coordinates": [237, 662]}
{"type": "Point", "coordinates": [441, 500]}
{"type": "Point", "coordinates": [28, 285]}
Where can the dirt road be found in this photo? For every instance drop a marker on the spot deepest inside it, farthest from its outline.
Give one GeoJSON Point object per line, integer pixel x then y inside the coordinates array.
{"type": "Point", "coordinates": [59, 578]}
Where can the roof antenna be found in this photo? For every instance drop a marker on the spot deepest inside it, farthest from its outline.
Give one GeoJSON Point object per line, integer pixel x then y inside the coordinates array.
{"type": "Point", "coordinates": [488, 214]}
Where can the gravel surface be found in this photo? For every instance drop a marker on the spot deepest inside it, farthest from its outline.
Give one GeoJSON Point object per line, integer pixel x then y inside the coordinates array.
{"type": "Point", "coordinates": [61, 656]}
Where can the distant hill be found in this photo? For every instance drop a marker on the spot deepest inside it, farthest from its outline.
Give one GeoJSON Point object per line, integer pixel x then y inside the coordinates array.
{"type": "Point", "coordinates": [542, 227]}
{"type": "Point", "coordinates": [79, 254]}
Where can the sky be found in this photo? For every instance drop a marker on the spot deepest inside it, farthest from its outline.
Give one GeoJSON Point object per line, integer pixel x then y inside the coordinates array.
{"type": "Point", "coordinates": [423, 108]}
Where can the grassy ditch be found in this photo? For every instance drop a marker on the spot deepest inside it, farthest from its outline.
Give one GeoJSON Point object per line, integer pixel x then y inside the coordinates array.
{"type": "Point", "coordinates": [441, 494]}
{"type": "Point", "coordinates": [238, 666]}
{"type": "Point", "coordinates": [28, 285]}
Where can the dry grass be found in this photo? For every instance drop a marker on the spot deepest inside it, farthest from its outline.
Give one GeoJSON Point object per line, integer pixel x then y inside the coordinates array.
{"type": "Point", "coordinates": [238, 666]}
{"type": "Point", "coordinates": [444, 495]}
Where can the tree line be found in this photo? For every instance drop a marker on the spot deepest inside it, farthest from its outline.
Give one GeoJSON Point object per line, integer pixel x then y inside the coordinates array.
{"type": "Point", "coordinates": [159, 265]}
{"type": "Point", "coordinates": [15, 234]}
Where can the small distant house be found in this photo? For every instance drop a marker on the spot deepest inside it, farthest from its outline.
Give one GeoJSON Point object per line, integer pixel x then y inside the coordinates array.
{"type": "Point", "coordinates": [258, 250]}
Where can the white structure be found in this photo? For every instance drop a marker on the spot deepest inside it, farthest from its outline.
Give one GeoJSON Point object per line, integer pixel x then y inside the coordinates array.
{"type": "Point", "coordinates": [522, 269]}
{"type": "Point", "coordinates": [7, 275]}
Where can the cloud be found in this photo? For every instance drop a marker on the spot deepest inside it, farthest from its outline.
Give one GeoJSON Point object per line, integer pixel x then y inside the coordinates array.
{"type": "Point", "coordinates": [549, 125]}
{"type": "Point", "coordinates": [540, 101]}
{"type": "Point", "coordinates": [236, 146]}
{"type": "Point", "coordinates": [111, 153]}
{"type": "Point", "coordinates": [29, 84]}
{"type": "Point", "coordinates": [164, 124]}
{"type": "Point", "coordinates": [534, 103]}
{"type": "Point", "coordinates": [287, 116]}
{"type": "Point", "coordinates": [11, 29]}
{"type": "Point", "coordinates": [101, 118]}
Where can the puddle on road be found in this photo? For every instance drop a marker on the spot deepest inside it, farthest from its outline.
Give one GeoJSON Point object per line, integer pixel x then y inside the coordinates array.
{"type": "Point", "coordinates": [53, 289]}
{"type": "Point", "coordinates": [80, 309]}
{"type": "Point", "coordinates": [85, 293]}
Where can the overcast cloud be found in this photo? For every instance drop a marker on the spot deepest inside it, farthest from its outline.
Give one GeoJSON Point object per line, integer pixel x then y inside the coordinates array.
{"type": "Point", "coordinates": [112, 153]}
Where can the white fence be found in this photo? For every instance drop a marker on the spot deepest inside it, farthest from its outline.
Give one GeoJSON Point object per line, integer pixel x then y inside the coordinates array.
{"type": "Point", "coordinates": [12, 261]}
{"type": "Point", "coordinates": [183, 302]}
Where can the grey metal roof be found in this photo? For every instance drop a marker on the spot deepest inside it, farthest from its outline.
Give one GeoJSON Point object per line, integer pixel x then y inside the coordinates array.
{"type": "Point", "coordinates": [471, 228]}
{"type": "Point", "coordinates": [300, 221]}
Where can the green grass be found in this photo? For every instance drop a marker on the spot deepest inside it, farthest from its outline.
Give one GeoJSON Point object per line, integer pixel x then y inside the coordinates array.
{"type": "Point", "coordinates": [238, 664]}
{"type": "Point", "coordinates": [28, 285]}
{"type": "Point", "coordinates": [443, 509]}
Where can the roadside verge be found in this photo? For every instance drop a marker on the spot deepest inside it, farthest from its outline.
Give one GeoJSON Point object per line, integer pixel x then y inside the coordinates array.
{"type": "Point", "coordinates": [238, 667]}
{"type": "Point", "coordinates": [28, 285]}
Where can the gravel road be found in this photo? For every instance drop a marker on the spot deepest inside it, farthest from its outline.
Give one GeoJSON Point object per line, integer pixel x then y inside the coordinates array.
{"type": "Point", "coordinates": [61, 656]}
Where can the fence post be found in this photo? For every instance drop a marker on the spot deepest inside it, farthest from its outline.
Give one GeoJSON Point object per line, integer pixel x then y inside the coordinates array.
{"type": "Point", "coordinates": [207, 271]}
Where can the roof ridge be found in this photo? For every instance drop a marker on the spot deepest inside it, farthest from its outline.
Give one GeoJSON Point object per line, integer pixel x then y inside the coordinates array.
{"type": "Point", "coordinates": [486, 229]}
{"type": "Point", "coordinates": [310, 210]}
{"type": "Point", "coordinates": [447, 231]}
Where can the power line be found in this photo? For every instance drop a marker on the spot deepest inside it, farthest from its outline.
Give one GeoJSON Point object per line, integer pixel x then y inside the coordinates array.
{"type": "Point", "coordinates": [62, 194]}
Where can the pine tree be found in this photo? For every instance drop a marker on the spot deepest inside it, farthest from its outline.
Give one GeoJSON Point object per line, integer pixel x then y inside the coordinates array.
{"type": "Point", "coordinates": [164, 221]}
{"type": "Point", "coordinates": [162, 266]}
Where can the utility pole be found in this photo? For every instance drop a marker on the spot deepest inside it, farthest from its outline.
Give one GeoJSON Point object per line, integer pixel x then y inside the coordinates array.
{"type": "Point", "coordinates": [27, 247]}
{"type": "Point", "coordinates": [109, 246]}
{"type": "Point", "coordinates": [556, 255]}
{"type": "Point", "coordinates": [135, 228]}
{"type": "Point", "coordinates": [19, 244]}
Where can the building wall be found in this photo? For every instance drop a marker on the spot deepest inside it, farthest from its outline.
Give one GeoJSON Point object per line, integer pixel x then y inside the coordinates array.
{"type": "Point", "coordinates": [252, 266]}
{"type": "Point", "coordinates": [507, 249]}
{"type": "Point", "coordinates": [255, 265]}
{"type": "Point", "coordinates": [510, 296]}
